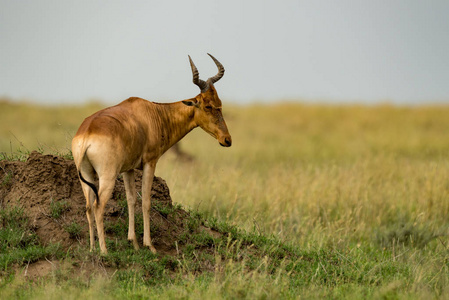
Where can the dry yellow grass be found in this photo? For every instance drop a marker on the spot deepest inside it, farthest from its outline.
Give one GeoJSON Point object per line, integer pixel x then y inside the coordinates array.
{"type": "Point", "coordinates": [343, 178]}
{"type": "Point", "coordinates": [308, 173]}
{"type": "Point", "coordinates": [313, 173]}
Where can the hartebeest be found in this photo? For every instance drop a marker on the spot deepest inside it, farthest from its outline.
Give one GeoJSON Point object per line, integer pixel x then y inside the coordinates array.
{"type": "Point", "coordinates": [133, 135]}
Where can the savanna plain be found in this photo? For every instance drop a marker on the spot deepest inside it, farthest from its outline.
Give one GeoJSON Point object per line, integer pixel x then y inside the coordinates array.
{"type": "Point", "coordinates": [312, 201]}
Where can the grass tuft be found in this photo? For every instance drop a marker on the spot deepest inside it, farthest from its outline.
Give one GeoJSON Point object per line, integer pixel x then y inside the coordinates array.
{"type": "Point", "coordinates": [74, 230]}
{"type": "Point", "coordinates": [57, 208]}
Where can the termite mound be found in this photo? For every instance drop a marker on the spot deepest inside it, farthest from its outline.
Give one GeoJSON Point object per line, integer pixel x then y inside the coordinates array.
{"type": "Point", "coordinates": [48, 190]}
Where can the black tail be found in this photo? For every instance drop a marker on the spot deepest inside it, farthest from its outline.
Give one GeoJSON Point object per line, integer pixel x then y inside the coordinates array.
{"type": "Point", "coordinates": [92, 186]}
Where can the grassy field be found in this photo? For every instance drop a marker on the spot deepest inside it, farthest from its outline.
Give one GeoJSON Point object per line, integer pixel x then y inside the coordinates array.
{"type": "Point", "coordinates": [358, 195]}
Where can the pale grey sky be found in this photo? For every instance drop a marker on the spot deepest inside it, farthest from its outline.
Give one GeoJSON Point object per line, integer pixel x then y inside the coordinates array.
{"type": "Point", "coordinates": [356, 51]}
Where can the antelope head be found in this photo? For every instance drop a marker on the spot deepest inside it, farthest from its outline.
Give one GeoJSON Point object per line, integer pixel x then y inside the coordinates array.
{"type": "Point", "coordinates": [207, 105]}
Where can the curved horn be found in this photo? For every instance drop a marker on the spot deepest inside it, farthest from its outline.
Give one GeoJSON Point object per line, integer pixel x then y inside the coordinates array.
{"type": "Point", "coordinates": [221, 70]}
{"type": "Point", "coordinates": [196, 77]}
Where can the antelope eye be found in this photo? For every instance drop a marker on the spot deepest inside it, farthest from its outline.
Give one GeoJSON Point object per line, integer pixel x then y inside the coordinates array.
{"type": "Point", "coordinates": [208, 107]}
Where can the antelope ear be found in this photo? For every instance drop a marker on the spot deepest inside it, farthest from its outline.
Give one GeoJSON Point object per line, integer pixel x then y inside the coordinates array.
{"type": "Point", "coordinates": [191, 102]}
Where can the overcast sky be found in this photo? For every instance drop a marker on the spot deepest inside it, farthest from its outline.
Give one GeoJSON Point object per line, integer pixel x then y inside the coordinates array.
{"type": "Point", "coordinates": [356, 51]}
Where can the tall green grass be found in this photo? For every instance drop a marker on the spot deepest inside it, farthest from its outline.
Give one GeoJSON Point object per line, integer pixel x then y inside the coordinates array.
{"type": "Point", "coordinates": [360, 191]}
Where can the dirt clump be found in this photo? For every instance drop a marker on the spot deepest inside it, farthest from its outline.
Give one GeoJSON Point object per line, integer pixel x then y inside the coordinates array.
{"type": "Point", "coordinates": [48, 189]}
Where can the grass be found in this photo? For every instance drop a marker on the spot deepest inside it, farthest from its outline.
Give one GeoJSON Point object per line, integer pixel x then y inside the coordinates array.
{"type": "Point", "coordinates": [25, 127]}
{"type": "Point", "coordinates": [313, 201]}
{"type": "Point", "coordinates": [57, 208]}
{"type": "Point", "coordinates": [74, 230]}
{"type": "Point", "coordinates": [19, 243]}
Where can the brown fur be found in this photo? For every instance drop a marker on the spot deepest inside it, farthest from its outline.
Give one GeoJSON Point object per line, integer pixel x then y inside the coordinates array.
{"type": "Point", "coordinates": [134, 135]}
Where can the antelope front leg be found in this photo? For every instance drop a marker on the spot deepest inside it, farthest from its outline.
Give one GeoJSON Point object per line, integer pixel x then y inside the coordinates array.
{"type": "Point", "coordinates": [130, 187]}
{"type": "Point", "coordinates": [147, 182]}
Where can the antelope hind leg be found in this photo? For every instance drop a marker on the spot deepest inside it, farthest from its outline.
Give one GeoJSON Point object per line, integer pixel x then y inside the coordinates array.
{"type": "Point", "coordinates": [105, 193]}
{"type": "Point", "coordinates": [90, 199]}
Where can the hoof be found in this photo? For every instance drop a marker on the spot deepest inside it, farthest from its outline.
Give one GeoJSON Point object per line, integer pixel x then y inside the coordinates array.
{"type": "Point", "coordinates": [135, 244]}
{"type": "Point", "coordinates": [150, 246]}
{"type": "Point", "coordinates": [103, 252]}
{"type": "Point", "coordinates": [152, 249]}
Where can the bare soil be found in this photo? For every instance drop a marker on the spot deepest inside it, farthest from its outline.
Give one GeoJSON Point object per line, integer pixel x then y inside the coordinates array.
{"type": "Point", "coordinates": [45, 179]}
